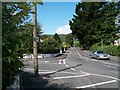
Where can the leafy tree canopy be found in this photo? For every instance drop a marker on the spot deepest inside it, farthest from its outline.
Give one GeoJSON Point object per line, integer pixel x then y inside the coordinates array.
{"type": "Point", "coordinates": [57, 38]}
{"type": "Point", "coordinates": [14, 32]}
{"type": "Point", "coordinates": [69, 39]}
{"type": "Point", "coordinates": [95, 21]}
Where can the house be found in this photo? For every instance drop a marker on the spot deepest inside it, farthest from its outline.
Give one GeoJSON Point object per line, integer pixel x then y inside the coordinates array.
{"type": "Point", "coordinates": [117, 42]}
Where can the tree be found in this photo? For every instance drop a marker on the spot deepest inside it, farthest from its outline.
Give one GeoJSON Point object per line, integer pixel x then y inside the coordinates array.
{"type": "Point", "coordinates": [13, 21]}
{"type": "Point", "coordinates": [27, 31]}
{"type": "Point", "coordinates": [94, 21]}
{"type": "Point", "coordinates": [49, 45]}
{"type": "Point", "coordinates": [69, 39]}
{"type": "Point", "coordinates": [57, 38]}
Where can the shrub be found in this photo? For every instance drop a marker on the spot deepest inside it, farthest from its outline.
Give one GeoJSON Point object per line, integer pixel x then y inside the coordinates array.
{"type": "Point", "coordinates": [48, 51]}
{"type": "Point", "coordinates": [110, 49]}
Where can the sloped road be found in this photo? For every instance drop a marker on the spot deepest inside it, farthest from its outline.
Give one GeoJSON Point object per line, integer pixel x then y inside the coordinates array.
{"type": "Point", "coordinates": [79, 71]}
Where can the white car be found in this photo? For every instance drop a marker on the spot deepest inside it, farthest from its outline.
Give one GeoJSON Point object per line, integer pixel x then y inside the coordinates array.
{"type": "Point", "coordinates": [99, 55]}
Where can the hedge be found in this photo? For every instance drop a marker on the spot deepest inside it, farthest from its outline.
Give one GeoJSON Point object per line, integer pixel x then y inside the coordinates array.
{"type": "Point", "coordinates": [110, 49]}
{"type": "Point", "coordinates": [48, 51]}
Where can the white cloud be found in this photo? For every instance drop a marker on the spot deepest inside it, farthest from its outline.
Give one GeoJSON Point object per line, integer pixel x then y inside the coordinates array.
{"type": "Point", "coordinates": [63, 30]}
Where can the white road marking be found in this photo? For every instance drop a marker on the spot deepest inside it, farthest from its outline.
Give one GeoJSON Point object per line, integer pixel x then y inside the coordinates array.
{"type": "Point", "coordinates": [48, 63]}
{"type": "Point", "coordinates": [85, 72]}
{"type": "Point", "coordinates": [105, 76]}
{"type": "Point", "coordinates": [68, 72]}
{"type": "Point", "coordinates": [64, 61]}
{"type": "Point", "coordinates": [44, 61]}
{"type": "Point", "coordinates": [67, 65]}
{"type": "Point", "coordinates": [94, 60]}
{"type": "Point", "coordinates": [114, 72]}
{"type": "Point", "coordinates": [113, 64]}
{"type": "Point", "coordinates": [60, 61]}
{"type": "Point", "coordinates": [96, 84]}
{"type": "Point", "coordinates": [72, 69]}
{"type": "Point", "coordinates": [43, 72]}
{"type": "Point", "coordinates": [48, 71]}
{"type": "Point", "coordinates": [105, 62]}
{"type": "Point", "coordinates": [66, 77]}
{"type": "Point", "coordinates": [28, 69]}
{"type": "Point", "coordinates": [80, 55]}
{"type": "Point", "coordinates": [109, 66]}
{"type": "Point", "coordinates": [99, 75]}
{"type": "Point", "coordinates": [86, 58]}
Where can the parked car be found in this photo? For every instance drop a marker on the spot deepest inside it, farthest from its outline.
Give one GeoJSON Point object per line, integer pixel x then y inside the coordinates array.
{"type": "Point", "coordinates": [99, 55]}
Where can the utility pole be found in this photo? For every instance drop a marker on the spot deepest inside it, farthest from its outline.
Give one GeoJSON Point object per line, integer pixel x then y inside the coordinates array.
{"type": "Point", "coordinates": [35, 54]}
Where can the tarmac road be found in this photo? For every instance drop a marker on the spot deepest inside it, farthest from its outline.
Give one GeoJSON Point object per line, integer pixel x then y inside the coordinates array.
{"type": "Point", "coordinates": [77, 70]}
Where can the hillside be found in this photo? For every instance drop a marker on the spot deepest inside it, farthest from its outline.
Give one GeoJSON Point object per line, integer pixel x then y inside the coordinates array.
{"type": "Point", "coordinates": [62, 36]}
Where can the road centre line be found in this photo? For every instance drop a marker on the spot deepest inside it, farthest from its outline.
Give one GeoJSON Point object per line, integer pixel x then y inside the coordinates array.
{"type": "Point", "coordinates": [67, 65]}
{"type": "Point", "coordinates": [67, 77]}
{"type": "Point", "coordinates": [79, 55]}
{"type": "Point", "coordinates": [96, 84]}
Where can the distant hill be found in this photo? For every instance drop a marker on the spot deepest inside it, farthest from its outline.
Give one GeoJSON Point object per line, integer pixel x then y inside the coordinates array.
{"type": "Point", "coordinates": [62, 36]}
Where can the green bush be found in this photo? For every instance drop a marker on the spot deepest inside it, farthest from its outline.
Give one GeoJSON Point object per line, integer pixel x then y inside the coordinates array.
{"type": "Point", "coordinates": [96, 47]}
{"type": "Point", "coordinates": [110, 49]}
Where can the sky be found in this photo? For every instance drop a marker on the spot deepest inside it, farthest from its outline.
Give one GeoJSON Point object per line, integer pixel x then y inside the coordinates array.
{"type": "Point", "coordinates": [54, 16]}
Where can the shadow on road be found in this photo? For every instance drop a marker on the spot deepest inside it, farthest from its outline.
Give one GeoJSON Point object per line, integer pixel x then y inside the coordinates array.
{"type": "Point", "coordinates": [47, 75]}
{"type": "Point", "coordinates": [31, 82]}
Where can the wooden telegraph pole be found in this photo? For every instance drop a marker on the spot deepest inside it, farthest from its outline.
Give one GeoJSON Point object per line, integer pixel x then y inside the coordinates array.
{"type": "Point", "coordinates": [35, 54]}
